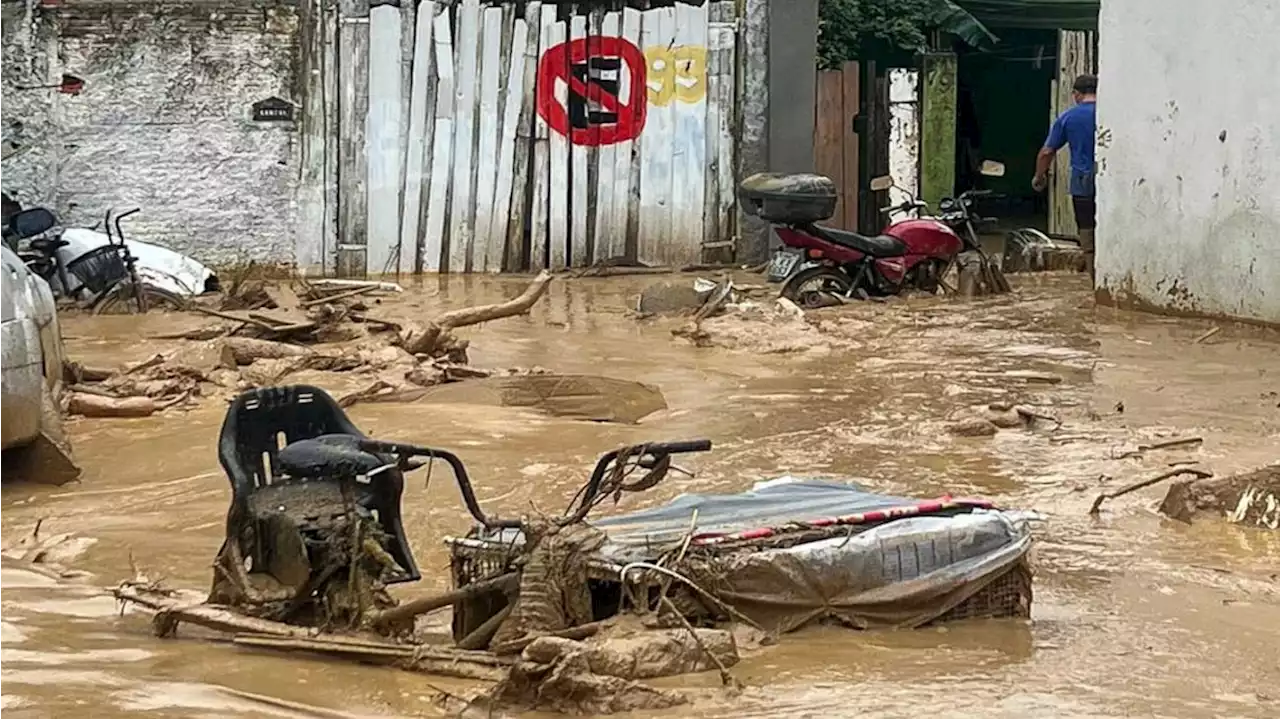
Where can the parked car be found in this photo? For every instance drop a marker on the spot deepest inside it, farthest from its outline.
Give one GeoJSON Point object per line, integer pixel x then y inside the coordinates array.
{"type": "Point", "coordinates": [32, 364]}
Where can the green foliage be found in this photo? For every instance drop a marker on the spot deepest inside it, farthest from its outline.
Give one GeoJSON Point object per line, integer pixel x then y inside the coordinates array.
{"type": "Point", "coordinates": [852, 29]}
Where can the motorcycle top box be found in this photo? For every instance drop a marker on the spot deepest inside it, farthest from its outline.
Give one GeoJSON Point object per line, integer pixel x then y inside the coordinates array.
{"type": "Point", "coordinates": [789, 199]}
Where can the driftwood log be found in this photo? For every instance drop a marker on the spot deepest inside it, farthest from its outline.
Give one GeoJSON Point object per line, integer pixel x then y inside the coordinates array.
{"type": "Point", "coordinates": [436, 338]}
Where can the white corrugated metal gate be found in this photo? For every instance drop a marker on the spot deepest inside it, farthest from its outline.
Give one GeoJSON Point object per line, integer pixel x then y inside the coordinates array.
{"type": "Point", "coordinates": [520, 136]}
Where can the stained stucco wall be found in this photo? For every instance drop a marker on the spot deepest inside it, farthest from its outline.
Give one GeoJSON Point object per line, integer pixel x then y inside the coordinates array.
{"type": "Point", "coordinates": [165, 124]}
{"type": "Point", "coordinates": [1189, 157]}
{"type": "Point", "coordinates": [28, 46]}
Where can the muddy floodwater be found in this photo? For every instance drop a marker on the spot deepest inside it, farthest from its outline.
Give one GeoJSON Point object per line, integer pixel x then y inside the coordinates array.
{"type": "Point", "coordinates": [1133, 615]}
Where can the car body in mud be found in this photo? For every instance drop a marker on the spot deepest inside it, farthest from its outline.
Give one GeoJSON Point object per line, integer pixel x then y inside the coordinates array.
{"type": "Point", "coordinates": [33, 352]}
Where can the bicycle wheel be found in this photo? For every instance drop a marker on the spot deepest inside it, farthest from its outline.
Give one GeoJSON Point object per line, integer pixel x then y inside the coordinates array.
{"type": "Point", "coordinates": [121, 299]}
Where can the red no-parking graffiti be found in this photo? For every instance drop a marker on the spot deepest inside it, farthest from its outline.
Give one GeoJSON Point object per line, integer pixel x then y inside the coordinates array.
{"type": "Point", "coordinates": [592, 69]}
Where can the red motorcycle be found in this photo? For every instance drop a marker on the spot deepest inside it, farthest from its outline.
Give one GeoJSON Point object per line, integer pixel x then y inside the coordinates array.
{"type": "Point", "coordinates": [912, 253]}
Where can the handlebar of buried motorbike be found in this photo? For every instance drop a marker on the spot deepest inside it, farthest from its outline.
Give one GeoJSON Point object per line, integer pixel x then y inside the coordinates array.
{"type": "Point", "coordinates": [404, 452]}
{"type": "Point", "coordinates": [650, 455]}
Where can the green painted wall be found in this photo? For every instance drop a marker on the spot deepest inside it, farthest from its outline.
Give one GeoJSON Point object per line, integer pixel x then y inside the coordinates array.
{"type": "Point", "coordinates": [938, 127]}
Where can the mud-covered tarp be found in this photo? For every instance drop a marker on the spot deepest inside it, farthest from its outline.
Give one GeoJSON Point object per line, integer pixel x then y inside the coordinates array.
{"type": "Point", "coordinates": [902, 563]}
{"type": "Point", "coordinates": [905, 571]}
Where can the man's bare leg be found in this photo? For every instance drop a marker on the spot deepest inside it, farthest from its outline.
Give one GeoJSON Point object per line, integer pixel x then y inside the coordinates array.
{"type": "Point", "coordinates": [1086, 249]}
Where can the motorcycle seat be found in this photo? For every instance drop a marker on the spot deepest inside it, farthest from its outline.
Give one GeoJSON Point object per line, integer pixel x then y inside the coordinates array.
{"type": "Point", "coordinates": [878, 246]}
{"type": "Point", "coordinates": [329, 456]}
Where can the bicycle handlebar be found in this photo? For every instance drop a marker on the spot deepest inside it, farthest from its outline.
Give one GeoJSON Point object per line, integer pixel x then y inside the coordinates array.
{"type": "Point", "coordinates": [404, 451]}
{"type": "Point", "coordinates": [657, 450]}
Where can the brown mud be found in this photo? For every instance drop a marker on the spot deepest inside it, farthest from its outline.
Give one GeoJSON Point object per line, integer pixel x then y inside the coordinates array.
{"type": "Point", "coordinates": [1134, 614]}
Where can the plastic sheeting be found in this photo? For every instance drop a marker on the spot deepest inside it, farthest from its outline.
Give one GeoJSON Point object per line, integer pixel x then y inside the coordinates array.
{"type": "Point", "coordinates": [902, 572]}
{"type": "Point", "coordinates": [902, 563]}
{"type": "Point", "coordinates": [644, 535]}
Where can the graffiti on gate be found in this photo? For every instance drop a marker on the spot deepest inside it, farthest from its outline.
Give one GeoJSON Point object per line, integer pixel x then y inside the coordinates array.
{"type": "Point", "coordinates": [597, 90]}
{"type": "Point", "coordinates": [675, 73]}
{"type": "Point", "coordinates": [594, 111]}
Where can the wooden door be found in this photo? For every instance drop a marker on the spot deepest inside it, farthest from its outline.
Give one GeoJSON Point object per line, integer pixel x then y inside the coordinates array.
{"type": "Point", "coordinates": [835, 143]}
{"type": "Point", "coordinates": [1075, 57]}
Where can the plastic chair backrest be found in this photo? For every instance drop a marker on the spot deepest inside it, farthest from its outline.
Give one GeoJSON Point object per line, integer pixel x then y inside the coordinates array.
{"type": "Point", "coordinates": [261, 421]}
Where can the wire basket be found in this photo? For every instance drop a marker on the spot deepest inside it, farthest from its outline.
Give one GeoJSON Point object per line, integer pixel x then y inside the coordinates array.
{"type": "Point", "coordinates": [100, 268]}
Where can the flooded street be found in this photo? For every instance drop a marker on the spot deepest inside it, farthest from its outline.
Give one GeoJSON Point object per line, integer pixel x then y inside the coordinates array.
{"type": "Point", "coordinates": [1133, 614]}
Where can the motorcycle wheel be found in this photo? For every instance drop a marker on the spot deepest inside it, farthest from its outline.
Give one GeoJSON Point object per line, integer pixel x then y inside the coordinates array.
{"type": "Point", "coordinates": [122, 300]}
{"type": "Point", "coordinates": [811, 288]}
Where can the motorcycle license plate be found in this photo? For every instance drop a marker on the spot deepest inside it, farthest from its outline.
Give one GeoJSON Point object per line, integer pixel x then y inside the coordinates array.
{"type": "Point", "coordinates": [781, 266]}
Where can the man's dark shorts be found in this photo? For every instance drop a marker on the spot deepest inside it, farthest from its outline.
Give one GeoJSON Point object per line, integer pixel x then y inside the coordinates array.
{"type": "Point", "coordinates": [1082, 199]}
{"type": "Point", "coordinates": [1086, 211]}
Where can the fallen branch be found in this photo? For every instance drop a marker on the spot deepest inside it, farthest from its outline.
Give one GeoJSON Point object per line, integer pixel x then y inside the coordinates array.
{"type": "Point", "coordinates": [245, 350]}
{"type": "Point", "coordinates": [212, 332]}
{"type": "Point", "coordinates": [170, 611]}
{"type": "Point", "coordinates": [339, 296]}
{"type": "Point", "coordinates": [726, 679]}
{"type": "Point", "coordinates": [309, 710]}
{"type": "Point", "coordinates": [395, 615]}
{"type": "Point", "coordinates": [483, 635]}
{"type": "Point", "coordinates": [418, 657]}
{"type": "Point", "coordinates": [1031, 415]}
{"type": "Point", "coordinates": [244, 320]}
{"type": "Point", "coordinates": [578, 633]}
{"type": "Point", "coordinates": [74, 372]}
{"type": "Point", "coordinates": [97, 405]}
{"type": "Point", "coordinates": [373, 284]}
{"type": "Point", "coordinates": [1097, 503]}
{"type": "Point", "coordinates": [486, 313]}
{"type": "Point", "coordinates": [152, 361]}
{"type": "Point", "coordinates": [436, 338]}
{"type": "Point", "coordinates": [1170, 444]}
{"type": "Point", "coordinates": [1215, 330]}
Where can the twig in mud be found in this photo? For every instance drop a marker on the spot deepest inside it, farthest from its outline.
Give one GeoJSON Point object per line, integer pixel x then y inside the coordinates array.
{"type": "Point", "coordinates": [1170, 444]}
{"type": "Point", "coordinates": [234, 318]}
{"type": "Point", "coordinates": [212, 332]}
{"type": "Point", "coordinates": [1031, 415]}
{"type": "Point", "coordinates": [305, 709]}
{"type": "Point", "coordinates": [715, 601]}
{"type": "Point", "coordinates": [726, 678]}
{"type": "Point", "coordinates": [1158, 445]}
{"type": "Point", "coordinates": [90, 389]}
{"type": "Point", "coordinates": [339, 296]}
{"type": "Point", "coordinates": [1097, 503]}
{"type": "Point", "coordinates": [1067, 438]}
{"type": "Point", "coordinates": [148, 363]}
{"type": "Point", "coordinates": [1213, 331]}
{"type": "Point", "coordinates": [578, 633]}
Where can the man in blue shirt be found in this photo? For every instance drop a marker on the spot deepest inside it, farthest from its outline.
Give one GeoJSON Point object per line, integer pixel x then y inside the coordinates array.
{"type": "Point", "coordinates": [1076, 127]}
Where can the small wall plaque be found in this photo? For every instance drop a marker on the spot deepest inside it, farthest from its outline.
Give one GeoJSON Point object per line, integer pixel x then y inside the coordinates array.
{"type": "Point", "coordinates": [273, 109]}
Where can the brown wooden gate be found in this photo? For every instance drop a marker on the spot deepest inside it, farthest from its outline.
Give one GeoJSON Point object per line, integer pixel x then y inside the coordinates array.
{"type": "Point", "coordinates": [835, 144]}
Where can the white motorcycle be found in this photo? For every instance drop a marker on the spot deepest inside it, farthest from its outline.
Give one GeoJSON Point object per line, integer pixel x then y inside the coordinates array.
{"type": "Point", "coordinates": [107, 274]}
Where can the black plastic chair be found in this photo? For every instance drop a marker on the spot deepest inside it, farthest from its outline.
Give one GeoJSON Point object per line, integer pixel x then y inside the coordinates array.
{"type": "Point", "coordinates": [262, 422]}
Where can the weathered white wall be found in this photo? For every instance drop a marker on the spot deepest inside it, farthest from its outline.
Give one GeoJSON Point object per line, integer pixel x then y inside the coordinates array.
{"type": "Point", "coordinates": [28, 48]}
{"type": "Point", "coordinates": [165, 124]}
{"type": "Point", "coordinates": [1189, 157]}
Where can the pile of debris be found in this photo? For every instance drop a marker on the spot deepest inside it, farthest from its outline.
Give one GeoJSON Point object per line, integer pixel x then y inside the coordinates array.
{"type": "Point", "coordinates": [268, 332]}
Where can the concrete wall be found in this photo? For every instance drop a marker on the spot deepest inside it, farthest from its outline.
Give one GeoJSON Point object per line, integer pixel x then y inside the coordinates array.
{"type": "Point", "coordinates": [165, 123]}
{"type": "Point", "coordinates": [28, 47]}
{"type": "Point", "coordinates": [1189, 157]}
{"type": "Point", "coordinates": [779, 45]}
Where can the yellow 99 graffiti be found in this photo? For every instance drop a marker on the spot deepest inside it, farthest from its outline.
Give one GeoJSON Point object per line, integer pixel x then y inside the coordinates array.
{"type": "Point", "coordinates": [678, 73]}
